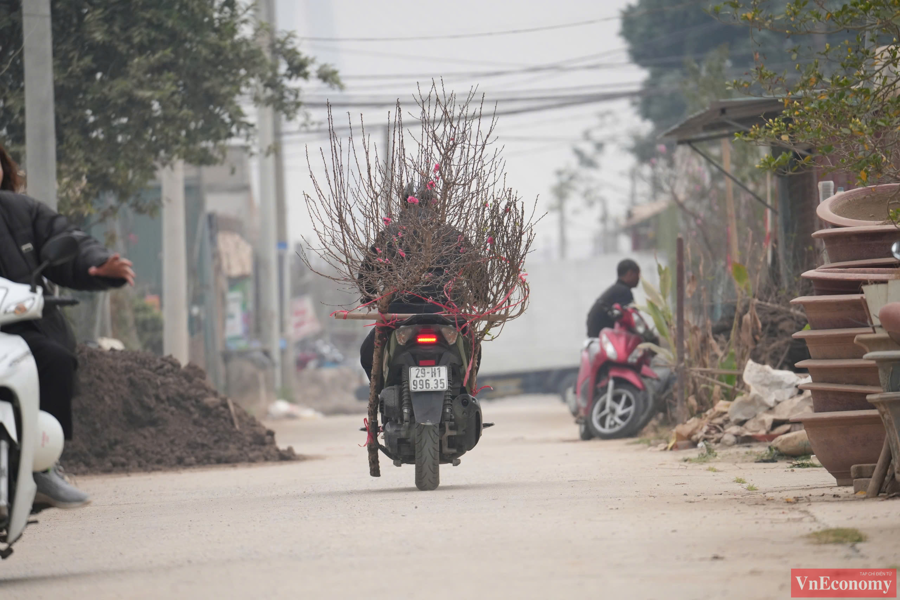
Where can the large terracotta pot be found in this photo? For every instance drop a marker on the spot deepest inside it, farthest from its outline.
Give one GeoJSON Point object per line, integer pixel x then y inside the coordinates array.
{"type": "Point", "coordinates": [871, 263]}
{"type": "Point", "coordinates": [860, 207]}
{"type": "Point", "coordinates": [845, 311]}
{"type": "Point", "coordinates": [843, 371]}
{"type": "Point", "coordinates": [843, 439]}
{"type": "Point", "coordinates": [879, 341]}
{"type": "Point", "coordinates": [834, 343]}
{"type": "Point", "coordinates": [888, 363]}
{"type": "Point", "coordinates": [858, 243]}
{"type": "Point", "coordinates": [826, 280]}
{"type": "Point", "coordinates": [888, 405]}
{"type": "Point", "coordinates": [836, 397]}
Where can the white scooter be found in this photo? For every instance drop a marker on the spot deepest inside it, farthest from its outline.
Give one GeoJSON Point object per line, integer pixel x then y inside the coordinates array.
{"type": "Point", "coordinates": [31, 440]}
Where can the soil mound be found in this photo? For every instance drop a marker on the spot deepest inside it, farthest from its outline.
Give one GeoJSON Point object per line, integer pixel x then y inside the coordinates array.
{"type": "Point", "coordinates": [139, 412]}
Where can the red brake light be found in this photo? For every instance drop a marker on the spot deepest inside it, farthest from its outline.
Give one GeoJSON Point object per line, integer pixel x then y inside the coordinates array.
{"type": "Point", "coordinates": [427, 363]}
{"type": "Point", "coordinates": [426, 337]}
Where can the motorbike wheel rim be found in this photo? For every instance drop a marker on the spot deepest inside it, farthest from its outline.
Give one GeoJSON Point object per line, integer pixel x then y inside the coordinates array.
{"type": "Point", "coordinates": [612, 417]}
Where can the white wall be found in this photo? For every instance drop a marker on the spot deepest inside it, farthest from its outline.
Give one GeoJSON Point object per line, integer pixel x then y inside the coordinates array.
{"type": "Point", "coordinates": [550, 333]}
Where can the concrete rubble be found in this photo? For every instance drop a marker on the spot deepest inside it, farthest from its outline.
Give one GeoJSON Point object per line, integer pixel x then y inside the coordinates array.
{"type": "Point", "coordinates": [762, 414]}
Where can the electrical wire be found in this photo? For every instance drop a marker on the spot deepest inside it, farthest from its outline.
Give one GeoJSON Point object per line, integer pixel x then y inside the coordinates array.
{"type": "Point", "coordinates": [446, 59]}
{"type": "Point", "coordinates": [457, 36]}
{"type": "Point", "coordinates": [532, 95]}
{"type": "Point", "coordinates": [556, 105]}
{"type": "Point", "coordinates": [562, 65]}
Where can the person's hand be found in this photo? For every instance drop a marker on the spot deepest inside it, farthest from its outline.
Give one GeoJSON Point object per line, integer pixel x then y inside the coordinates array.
{"type": "Point", "coordinates": [115, 268]}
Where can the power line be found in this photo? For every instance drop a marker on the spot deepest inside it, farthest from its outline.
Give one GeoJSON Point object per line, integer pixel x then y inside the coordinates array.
{"type": "Point", "coordinates": [456, 36]}
{"type": "Point", "coordinates": [534, 95]}
{"type": "Point", "coordinates": [528, 69]}
{"type": "Point", "coordinates": [561, 103]}
{"type": "Point", "coordinates": [556, 66]}
{"type": "Point", "coordinates": [446, 59]}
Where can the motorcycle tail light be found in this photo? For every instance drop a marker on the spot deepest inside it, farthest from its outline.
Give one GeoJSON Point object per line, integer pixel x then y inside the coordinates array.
{"type": "Point", "coordinates": [427, 337]}
{"type": "Point", "coordinates": [404, 334]}
{"type": "Point", "coordinates": [608, 347]}
{"type": "Point", "coordinates": [450, 334]}
{"type": "Point", "coordinates": [427, 363]}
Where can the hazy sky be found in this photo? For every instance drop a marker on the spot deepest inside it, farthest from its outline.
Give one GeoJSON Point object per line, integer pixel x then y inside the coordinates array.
{"type": "Point", "coordinates": [537, 144]}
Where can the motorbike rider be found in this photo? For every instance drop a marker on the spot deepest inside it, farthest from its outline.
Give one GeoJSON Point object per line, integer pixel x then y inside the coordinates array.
{"type": "Point", "coordinates": [629, 276]}
{"type": "Point", "coordinates": [453, 264]}
{"type": "Point", "coordinates": [25, 225]}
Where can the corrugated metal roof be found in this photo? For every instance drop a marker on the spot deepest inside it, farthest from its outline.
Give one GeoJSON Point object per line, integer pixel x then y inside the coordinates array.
{"type": "Point", "coordinates": [642, 212]}
{"type": "Point", "coordinates": [724, 118]}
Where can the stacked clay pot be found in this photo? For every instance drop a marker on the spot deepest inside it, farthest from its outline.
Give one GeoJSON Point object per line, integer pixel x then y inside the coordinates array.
{"type": "Point", "coordinates": [845, 429]}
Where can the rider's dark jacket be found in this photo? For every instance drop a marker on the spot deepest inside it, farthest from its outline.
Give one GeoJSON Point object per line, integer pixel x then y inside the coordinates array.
{"type": "Point", "coordinates": [456, 266]}
{"type": "Point", "coordinates": [598, 317]}
{"type": "Point", "coordinates": [25, 226]}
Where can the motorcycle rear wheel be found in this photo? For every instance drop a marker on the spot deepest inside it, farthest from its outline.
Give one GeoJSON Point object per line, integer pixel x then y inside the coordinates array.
{"type": "Point", "coordinates": [623, 416]}
{"type": "Point", "coordinates": [428, 458]}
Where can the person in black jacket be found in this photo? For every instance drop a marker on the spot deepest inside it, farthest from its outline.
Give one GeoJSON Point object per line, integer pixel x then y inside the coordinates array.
{"type": "Point", "coordinates": [451, 259]}
{"type": "Point", "coordinates": [629, 276]}
{"type": "Point", "coordinates": [25, 226]}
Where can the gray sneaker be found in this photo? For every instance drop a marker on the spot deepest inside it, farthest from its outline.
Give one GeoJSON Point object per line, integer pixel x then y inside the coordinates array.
{"type": "Point", "coordinates": [53, 489]}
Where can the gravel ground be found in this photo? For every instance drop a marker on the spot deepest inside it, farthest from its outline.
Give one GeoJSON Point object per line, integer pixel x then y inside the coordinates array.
{"type": "Point", "coordinates": [530, 513]}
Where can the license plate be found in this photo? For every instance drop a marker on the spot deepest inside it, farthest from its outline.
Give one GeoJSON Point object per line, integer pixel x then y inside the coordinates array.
{"type": "Point", "coordinates": [428, 379]}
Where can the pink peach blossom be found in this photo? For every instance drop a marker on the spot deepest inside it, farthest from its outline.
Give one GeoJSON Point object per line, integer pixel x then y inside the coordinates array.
{"type": "Point", "coordinates": [412, 200]}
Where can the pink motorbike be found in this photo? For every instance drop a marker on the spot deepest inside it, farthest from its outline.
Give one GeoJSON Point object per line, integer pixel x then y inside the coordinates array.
{"type": "Point", "coordinates": [616, 392]}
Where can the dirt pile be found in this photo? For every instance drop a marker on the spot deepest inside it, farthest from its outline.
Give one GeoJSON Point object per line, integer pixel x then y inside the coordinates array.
{"type": "Point", "coordinates": [138, 412]}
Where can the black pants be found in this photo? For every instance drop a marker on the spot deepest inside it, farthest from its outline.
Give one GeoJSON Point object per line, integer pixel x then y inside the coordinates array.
{"type": "Point", "coordinates": [367, 352]}
{"type": "Point", "coordinates": [56, 376]}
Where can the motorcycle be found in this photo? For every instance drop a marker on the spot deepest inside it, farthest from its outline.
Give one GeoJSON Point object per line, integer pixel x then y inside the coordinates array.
{"type": "Point", "coordinates": [31, 440]}
{"type": "Point", "coordinates": [617, 391]}
{"type": "Point", "coordinates": [429, 416]}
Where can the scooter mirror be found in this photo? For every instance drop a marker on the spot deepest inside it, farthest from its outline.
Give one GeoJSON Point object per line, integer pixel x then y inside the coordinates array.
{"type": "Point", "coordinates": [895, 250]}
{"type": "Point", "coordinates": [59, 250]}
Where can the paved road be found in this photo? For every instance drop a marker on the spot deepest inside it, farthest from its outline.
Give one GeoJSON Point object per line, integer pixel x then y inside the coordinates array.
{"type": "Point", "coordinates": [531, 513]}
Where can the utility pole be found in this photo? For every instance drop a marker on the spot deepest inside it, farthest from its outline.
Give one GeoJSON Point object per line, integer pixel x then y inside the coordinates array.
{"type": "Point", "coordinates": [175, 301]}
{"type": "Point", "coordinates": [268, 212]}
{"type": "Point", "coordinates": [561, 191]}
{"type": "Point", "coordinates": [40, 124]}
{"type": "Point", "coordinates": [287, 354]}
{"type": "Point", "coordinates": [563, 242]}
{"type": "Point", "coordinates": [388, 167]}
{"type": "Point", "coordinates": [632, 192]}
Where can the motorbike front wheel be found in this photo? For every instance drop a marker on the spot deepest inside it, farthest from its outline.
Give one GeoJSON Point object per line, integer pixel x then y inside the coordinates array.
{"type": "Point", "coordinates": [428, 458]}
{"type": "Point", "coordinates": [619, 416]}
